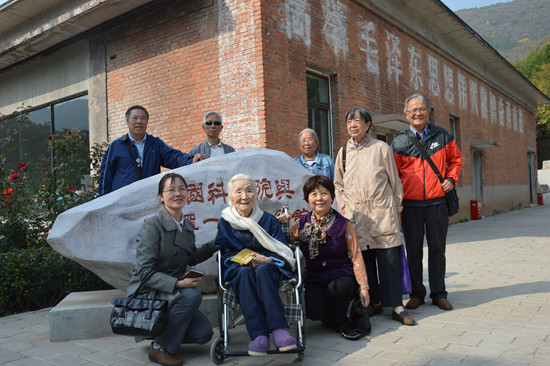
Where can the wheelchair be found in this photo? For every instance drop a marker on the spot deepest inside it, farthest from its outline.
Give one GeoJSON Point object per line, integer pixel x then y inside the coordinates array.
{"type": "Point", "coordinates": [292, 294]}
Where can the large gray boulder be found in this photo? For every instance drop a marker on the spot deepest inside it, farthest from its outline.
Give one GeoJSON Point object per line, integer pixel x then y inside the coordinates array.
{"type": "Point", "coordinates": [101, 234]}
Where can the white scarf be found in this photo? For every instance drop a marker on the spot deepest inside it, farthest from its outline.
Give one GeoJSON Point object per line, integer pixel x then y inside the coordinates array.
{"type": "Point", "coordinates": [250, 223]}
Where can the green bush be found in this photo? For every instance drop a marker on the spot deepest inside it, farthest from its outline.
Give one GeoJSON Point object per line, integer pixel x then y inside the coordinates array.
{"type": "Point", "coordinates": [35, 192]}
{"type": "Point", "coordinates": [32, 195]}
{"type": "Point", "coordinates": [37, 278]}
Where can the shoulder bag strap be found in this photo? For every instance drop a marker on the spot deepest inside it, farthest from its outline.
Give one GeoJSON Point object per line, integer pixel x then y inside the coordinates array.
{"type": "Point", "coordinates": [426, 156]}
{"type": "Point", "coordinates": [344, 148]}
{"type": "Point", "coordinates": [126, 142]}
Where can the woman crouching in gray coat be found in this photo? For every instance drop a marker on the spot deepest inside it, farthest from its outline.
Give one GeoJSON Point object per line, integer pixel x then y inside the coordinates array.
{"type": "Point", "coordinates": [166, 246]}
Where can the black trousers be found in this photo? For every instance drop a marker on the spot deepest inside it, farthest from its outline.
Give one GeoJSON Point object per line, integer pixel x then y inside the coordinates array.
{"type": "Point", "coordinates": [384, 273]}
{"type": "Point", "coordinates": [432, 221]}
{"type": "Point", "coordinates": [330, 304]}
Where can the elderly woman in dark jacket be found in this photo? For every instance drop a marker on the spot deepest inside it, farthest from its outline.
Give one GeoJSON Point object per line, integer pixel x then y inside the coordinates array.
{"type": "Point", "coordinates": [244, 225]}
{"type": "Point", "coordinates": [166, 246]}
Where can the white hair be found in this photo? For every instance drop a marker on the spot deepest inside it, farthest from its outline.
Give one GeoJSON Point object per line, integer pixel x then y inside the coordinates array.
{"type": "Point", "coordinates": [237, 177]}
{"type": "Point", "coordinates": [212, 112]}
{"type": "Point", "coordinates": [422, 98]}
{"type": "Point", "coordinates": [308, 130]}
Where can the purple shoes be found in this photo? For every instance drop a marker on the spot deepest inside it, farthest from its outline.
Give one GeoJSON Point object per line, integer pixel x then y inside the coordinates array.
{"type": "Point", "coordinates": [283, 340]}
{"type": "Point", "coordinates": [259, 346]}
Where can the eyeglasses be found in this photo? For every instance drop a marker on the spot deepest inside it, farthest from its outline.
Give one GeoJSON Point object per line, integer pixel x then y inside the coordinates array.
{"type": "Point", "coordinates": [417, 110]}
{"type": "Point", "coordinates": [216, 123]}
{"type": "Point", "coordinates": [172, 191]}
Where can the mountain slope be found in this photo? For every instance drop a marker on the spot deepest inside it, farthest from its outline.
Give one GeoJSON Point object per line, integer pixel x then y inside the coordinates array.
{"type": "Point", "coordinates": [512, 28]}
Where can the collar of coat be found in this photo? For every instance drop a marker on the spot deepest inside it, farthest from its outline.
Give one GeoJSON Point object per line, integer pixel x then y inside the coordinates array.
{"type": "Point", "coordinates": [169, 224]}
{"type": "Point", "coordinates": [362, 144]}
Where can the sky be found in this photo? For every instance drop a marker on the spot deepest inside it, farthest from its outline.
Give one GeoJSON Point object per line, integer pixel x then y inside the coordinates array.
{"type": "Point", "coordinates": [455, 5]}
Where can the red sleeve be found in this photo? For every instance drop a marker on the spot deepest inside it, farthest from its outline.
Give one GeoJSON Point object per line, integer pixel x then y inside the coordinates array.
{"type": "Point", "coordinates": [397, 159]}
{"type": "Point", "coordinates": [454, 161]}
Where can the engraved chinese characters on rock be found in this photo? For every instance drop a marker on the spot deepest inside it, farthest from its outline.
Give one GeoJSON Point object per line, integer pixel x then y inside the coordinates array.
{"type": "Point", "coordinates": [215, 193]}
{"type": "Point", "coordinates": [111, 251]}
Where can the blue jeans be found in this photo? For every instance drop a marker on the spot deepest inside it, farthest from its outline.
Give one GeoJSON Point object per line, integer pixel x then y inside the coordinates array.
{"type": "Point", "coordinates": [257, 292]}
{"type": "Point", "coordinates": [185, 323]}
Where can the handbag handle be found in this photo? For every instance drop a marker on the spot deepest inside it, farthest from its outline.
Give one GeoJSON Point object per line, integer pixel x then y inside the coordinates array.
{"type": "Point", "coordinates": [136, 292]}
{"type": "Point", "coordinates": [426, 156]}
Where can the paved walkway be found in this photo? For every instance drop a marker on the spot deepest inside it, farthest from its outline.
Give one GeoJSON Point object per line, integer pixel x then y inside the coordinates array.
{"type": "Point", "coordinates": [498, 278]}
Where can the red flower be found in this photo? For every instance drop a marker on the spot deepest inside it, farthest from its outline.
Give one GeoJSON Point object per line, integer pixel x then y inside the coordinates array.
{"type": "Point", "coordinates": [7, 192]}
{"type": "Point", "coordinates": [14, 176]}
{"type": "Point", "coordinates": [21, 165]}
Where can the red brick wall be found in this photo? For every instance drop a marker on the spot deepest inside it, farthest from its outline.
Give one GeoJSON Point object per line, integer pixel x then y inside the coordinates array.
{"type": "Point", "coordinates": [248, 59]}
{"type": "Point", "coordinates": [182, 67]}
{"type": "Point", "coordinates": [321, 33]}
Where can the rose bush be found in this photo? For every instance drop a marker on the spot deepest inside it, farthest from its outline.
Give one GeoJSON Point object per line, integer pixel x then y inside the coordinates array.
{"type": "Point", "coordinates": [36, 192]}
{"type": "Point", "coordinates": [32, 275]}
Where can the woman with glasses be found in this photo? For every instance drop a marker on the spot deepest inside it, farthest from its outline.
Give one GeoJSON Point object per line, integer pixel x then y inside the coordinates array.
{"type": "Point", "coordinates": [166, 246]}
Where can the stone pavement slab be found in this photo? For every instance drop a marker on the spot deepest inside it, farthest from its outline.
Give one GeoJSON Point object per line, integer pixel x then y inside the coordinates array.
{"type": "Point", "coordinates": [498, 278]}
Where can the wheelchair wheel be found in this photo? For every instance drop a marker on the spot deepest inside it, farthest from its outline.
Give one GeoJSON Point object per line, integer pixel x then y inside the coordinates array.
{"type": "Point", "coordinates": [217, 354]}
{"type": "Point", "coordinates": [301, 356]}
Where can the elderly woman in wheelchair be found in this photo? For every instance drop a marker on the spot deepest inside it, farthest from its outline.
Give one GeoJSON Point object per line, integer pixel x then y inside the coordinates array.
{"type": "Point", "coordinates": [244, 225]}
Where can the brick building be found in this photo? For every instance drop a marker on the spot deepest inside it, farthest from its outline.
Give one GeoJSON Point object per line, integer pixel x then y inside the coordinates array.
{"type": "Point", "coordinates": [272, 68]}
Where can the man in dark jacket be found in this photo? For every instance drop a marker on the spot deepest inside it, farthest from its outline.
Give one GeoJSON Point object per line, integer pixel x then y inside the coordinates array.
{"type": "Point", "coordinates": [424, 204]}
{"type": "Point", "coordinates": [137, 155]}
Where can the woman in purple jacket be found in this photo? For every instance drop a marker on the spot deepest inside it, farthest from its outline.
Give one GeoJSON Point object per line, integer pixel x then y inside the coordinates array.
{"type": "Point", "coordinates": [335, 272]}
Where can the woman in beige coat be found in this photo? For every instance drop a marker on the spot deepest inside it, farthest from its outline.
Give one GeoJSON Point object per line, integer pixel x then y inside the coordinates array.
{"type": "Point", "coordinates": [369, 194]}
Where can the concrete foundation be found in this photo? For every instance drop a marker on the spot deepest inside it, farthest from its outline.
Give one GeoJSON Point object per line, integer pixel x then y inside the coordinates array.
{"type": "Point", "coordinates": [85, 315]}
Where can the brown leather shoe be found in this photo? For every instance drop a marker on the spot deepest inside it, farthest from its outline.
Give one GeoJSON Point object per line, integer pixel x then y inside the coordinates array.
{"type": "Point", "coordinates": [403, 318]}
{"type": "Point", "coordinates": [414, 303]}
{"type": "Point", "coordinates": [443, 304]}
{"type": "Point", "coordinates": [163, 357]}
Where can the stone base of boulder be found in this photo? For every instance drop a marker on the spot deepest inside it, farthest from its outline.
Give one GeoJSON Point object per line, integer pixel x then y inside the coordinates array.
{"type": "Point", "coordinates": [85, 315]}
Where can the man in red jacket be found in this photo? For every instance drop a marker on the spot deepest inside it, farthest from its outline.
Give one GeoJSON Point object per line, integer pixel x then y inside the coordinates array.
{"type": "Point", "coordinates": [424, 205]}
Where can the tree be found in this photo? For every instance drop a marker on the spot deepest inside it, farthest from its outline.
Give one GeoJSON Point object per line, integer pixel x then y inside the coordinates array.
{"type": "Point", "coordinates": [536, 67]}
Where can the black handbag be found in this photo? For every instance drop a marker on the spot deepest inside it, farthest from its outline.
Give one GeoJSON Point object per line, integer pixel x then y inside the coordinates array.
{"type": "Point", "coordinates": [137, 317]}
{"type": "Point", "coordinates": [451, 196]}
